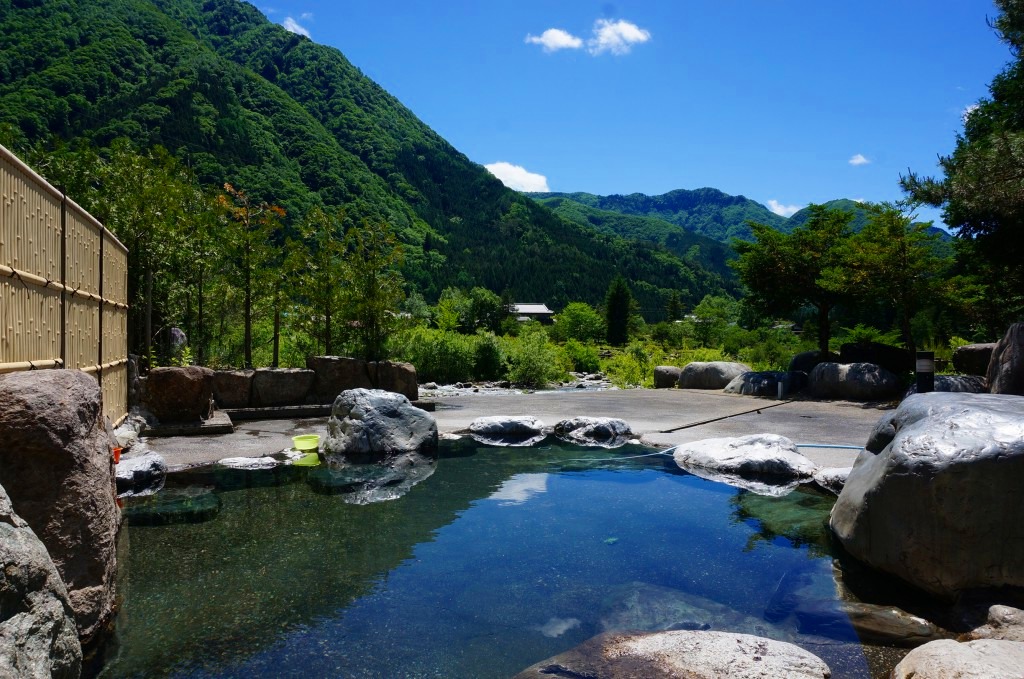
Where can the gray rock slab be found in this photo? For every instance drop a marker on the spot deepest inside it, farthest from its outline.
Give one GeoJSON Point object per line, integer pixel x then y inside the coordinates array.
{"type": "Point", "coordinates": [767, 464]}
{"type": "Point", "coordinates": [947, 659]}
{"type": "Point", "coordinates": [681, 655]}
{"type": "Point", "coordinates": [141, 474]}
{"type": "Point", "coordinates": [606, 432]}
{"type": "Point", "coordinates": [853, 382]}
{"type": "Point", "coordinates": [666, 376]}
{"type": "Point", "coordinates": [504, 430]}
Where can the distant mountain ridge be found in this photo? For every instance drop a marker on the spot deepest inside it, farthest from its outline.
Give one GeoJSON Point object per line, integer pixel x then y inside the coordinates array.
{"type": "Point", "coordinates": [706, 211]}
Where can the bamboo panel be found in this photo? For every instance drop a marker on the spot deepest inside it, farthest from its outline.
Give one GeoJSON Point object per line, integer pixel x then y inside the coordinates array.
{"type": "Point", "coordinates": [115, 333]}
{"type": "Point", "coordinates": [30, 237]}
{"type": "Point", "coordinates": [29, 322]}
{"type": "Point", "coordinates": [83, 253]}
{"type": "Point", "coordinates": [36, 295]}
{"type": "Point", "coordinates": [83, 326]}
{"type": "Point", "coordinates": [114, 387]}
{"type": "Point", "coordinates": [115, 270]}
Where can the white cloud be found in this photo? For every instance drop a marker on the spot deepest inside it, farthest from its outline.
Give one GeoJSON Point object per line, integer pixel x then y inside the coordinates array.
{"type": "Point", "coordinates": [555, 39]}
{"type": "Point", "coordinates": [518, 177]}
{"type": "Point", "coordinates": [783, 210]}
{"type": "Point", "coordinates": [859, 159]}
{"type": "Point", "coordinates": [292, 25]}
{"type": "Point", "coordinates": [520, 488]}
{"type": "Point", "coordinates": [617, 37]}
{"type": "Point", "coordinates": [306, 16]}
{"type": "Point", "coordinates": [859, 200]}
{"type": "Point", "coordinates": [966, 113]}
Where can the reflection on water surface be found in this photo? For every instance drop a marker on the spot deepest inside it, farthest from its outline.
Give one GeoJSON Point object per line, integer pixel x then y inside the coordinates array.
{"type": "Point", "coordinates": [501, 558]}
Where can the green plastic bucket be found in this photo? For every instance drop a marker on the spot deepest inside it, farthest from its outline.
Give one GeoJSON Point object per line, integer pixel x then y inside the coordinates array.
{"type": "Point", "coordinates": [307, 460]}
{"type": "Point", "coordinates": [306, 442]}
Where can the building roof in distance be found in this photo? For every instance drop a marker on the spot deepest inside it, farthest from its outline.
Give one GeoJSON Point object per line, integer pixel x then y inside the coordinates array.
{"type": "Point", "coordinates": [532, 308]}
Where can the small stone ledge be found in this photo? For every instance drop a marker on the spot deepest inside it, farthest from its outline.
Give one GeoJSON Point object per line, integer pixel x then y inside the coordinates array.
{"type": "Point", "coordinates": [218, 423]}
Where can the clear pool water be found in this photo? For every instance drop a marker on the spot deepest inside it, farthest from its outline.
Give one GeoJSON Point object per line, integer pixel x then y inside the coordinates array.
{"type": "Point", "coordinates": [501, 558]}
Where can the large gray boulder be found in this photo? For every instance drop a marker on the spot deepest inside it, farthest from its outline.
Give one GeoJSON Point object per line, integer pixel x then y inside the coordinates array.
{"type": "Point", "coordinates": [38, 637]}
{"type": "Point", "coordinates": [1006, 367]}
{"type": "Point", "coordinates": [852, 382]}
{"type": "Point", "coordinates": [57, 467]}
{"type": "Point", "coordinates": [766, 464]}
{"type": "Point", "coordinates": [934, 497]}
{"type": "Point", "coordinates": [180, 394]}
{"type": "Point", "coordinates": [681, 654]}
{"type": "Point", "coordinates": [274, 387]}
{"type": "Point", "coordinates": [947, 659]}
{"type": "Point", "coordinates": [1001, 622]}
{"type": "Point", "coordinates": [232, 388]}
{"type": "Point", "coordinates": [763, 384]}
{"type": "Point", "coordinates": [372, 424]}
{"type": "Point", "coordinates": [666, 376]}
{"type": "Point", "coordinates": [959, 384]}
{"type": "Point", "coordinates": [501, 430]}
{"type": "Point", "coordinates": [973, 359]}
{"type": "Point", "coordinates": [710, 375]}
{"type": "Point", "coordinates": [606, 432]}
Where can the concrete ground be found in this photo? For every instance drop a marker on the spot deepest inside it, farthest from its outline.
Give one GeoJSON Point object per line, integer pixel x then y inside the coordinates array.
{"type": "Point", "coordinates": [663, 417]}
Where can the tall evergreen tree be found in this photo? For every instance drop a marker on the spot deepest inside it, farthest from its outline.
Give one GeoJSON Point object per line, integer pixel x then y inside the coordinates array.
{"type": "Point", "coordinates": [617, 305]}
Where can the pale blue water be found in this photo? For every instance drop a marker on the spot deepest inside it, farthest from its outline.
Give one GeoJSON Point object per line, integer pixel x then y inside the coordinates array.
{"type": "Point", "coordinates": [500, 559]}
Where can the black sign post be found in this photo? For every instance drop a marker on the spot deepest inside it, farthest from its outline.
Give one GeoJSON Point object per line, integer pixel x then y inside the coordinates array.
{"type": "Point", "coordinates": [925, 371]}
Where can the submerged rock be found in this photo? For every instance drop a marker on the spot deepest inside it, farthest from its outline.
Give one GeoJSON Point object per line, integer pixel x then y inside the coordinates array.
{"type": "Point", "coordinates": [500, 430]}
{"type": "Point", "coordinates": [249, 463]}
{"type": "Point", "coordinates": [710, 375]}
{"type": "Point", "coordinates": [369, 425]}
{"type": "Point", "coordinates": [362, 484]}
{"type": "Point", "coordinates": [766, 464]}
{"type": "Point", "coordinates": [934, 498]}
{"type": "Point", "coordinates": [946, 659]}
{"type": "Point", "coordinates": [606, 432]}
{"type": "Point", "coordinates": [38, 637]}
{"type": "Point", "coordinates": [872, 624]}
{"type": "Point", "coordinates": [173, 505]}
{"type": "Point", "coordinates": [681, 655]}
{"type": "Point", "coordinates": [643, 607]}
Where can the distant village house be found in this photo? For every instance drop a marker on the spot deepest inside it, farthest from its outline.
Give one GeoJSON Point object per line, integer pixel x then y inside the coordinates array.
{"type": "Point", "coordinates": [532, 312]}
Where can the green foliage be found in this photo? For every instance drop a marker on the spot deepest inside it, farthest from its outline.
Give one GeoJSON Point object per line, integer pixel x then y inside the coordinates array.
{"type": "Point", "coordinates": [584, 357]}
{"type": "Point", "coordinates": [712, 317]}
{"type": "Point", "coordinates": [578, 321]}
{"type": "Point", "coordinates": [488, 358]}
{"type": "Point", "coordinates": [982, 187]}
{"type": "Point", "coordinates": [865, 333]}
{"type": "Point", "coordinates": [957, 342]}
{"type": "Point", "coordinates": [532, 360]}
{"type": "Point", "coordinates": [617, 307]}
{"type": "Point", "coordinates": [783, 272]}
{"type": "Point", "coordinates": [439, 355]}
{"type": "Point", "coordinates": [634, 366]}
{"type": "Point", "coordinates": [374, 291]}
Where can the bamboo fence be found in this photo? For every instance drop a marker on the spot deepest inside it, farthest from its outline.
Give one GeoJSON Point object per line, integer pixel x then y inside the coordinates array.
{"type": "Point", "coordinates": [63, 286]}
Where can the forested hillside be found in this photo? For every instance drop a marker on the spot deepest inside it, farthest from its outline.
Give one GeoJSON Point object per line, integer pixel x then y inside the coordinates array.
{"type": "Point", "coordinates": [239, 99]}
{"type": "Point", "coordinates": [686, 244]}
{"type": "Point", "coordinates": [707, 212]}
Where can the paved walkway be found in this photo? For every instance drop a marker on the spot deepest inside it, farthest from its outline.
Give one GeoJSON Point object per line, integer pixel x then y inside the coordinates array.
{"type": "Point", "coordinates": [663, 417]}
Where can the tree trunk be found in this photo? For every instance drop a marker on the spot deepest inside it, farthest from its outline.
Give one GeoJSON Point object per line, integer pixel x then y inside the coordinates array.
{"type": "Point", "coordinates": [277, 327]}
{"type": "Point", "coordinates": [200, 329]}
{"type": "Point", "coordinates": [247, 337]}
{"type": "Point", "coordinates": [908, 336]}
{"type": "Point", "coordinates": [327, 330]}
{"type": "Point", "coordinates": [148, 323]}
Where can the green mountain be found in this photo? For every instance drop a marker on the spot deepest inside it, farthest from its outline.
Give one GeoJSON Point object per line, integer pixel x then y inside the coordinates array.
{"type": "Point", "coordinates": [688, 245]}
{"type": "Point", "coordinates": [707, 212]}
{"type": "Point", "coordinates": [943, 244]}
{"type": "Point", "coordinates": [242, 100]}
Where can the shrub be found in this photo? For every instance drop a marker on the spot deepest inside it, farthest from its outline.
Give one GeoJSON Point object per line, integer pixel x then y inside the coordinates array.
{"type": "Point", "coordinates": [584, 357]}
{"type": "Point", "coordinates": [532, 360]}
{"type": "Point", "coordinates": [487, 357]}
{"type": "Point", "coordinates": [578, 321]}
{"type": "Point", "coordinates": [439, 355]}
{"type": "Point", "coordinates": [634, 367]}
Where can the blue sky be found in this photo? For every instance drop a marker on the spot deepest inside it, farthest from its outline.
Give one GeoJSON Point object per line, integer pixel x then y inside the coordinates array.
{"type": "Point", "coordinates": [784, 101]}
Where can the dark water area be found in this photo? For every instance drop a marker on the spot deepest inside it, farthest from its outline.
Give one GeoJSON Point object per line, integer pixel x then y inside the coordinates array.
{"type": "Point", "coordinates": [499, 559]}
